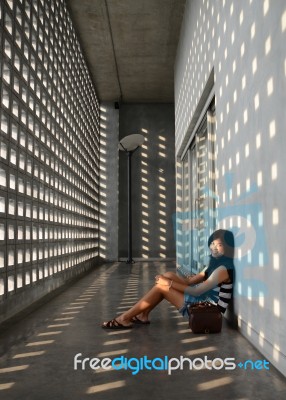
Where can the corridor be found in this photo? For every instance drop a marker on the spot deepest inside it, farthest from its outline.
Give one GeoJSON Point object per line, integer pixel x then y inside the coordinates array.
{"type": "Point", "coordinates": [38, 350]}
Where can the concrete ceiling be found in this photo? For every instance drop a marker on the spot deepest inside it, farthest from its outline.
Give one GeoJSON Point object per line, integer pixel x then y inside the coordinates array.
{"type": "Point", "coordinates": [130, 46]}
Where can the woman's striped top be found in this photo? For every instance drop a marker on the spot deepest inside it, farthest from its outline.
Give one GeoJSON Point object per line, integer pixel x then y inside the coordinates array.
{"type": "Point", "coordinates": [221, 295]}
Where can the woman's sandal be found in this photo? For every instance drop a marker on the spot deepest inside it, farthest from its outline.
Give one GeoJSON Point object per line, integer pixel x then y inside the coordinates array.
{"type": "Point", "coordinates": [136, 320]}
{"type": "Point", "coordinates": [114, 324]}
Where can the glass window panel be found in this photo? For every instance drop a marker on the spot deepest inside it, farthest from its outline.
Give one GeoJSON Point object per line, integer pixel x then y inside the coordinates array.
{"type": "Point", "coordinates": [35, 212]}
{"type": "Point", "coordinates": [11, 233]}
{"type": "Point", "coordinates": [20, 208]}
{"type": "Point", "coordinates": [4, 123]}
{"type": "Point", "coordinates": [21, 185]}
{"type": "Point", "coordinates": [27, 29]}
{"type": "Point", "coordinates": [25, 72]}
{"type": "Point", "coordinates": [22, 161]}
{"type": "Point", "coordinates": [19, 276]}
{"type": "Point", "coordinates": [28, 188]}
{"type": "Point", "coordinates": [6, 73]}
{"type": "Point", "coordinates": [20, 233]}
{"type": "Point", "coordinates": [11, 206]}
{"type": "Point", "coordinates": [11, 257]}
{"type": "Point", "coordinates": [30, 144]}
{"type": "Point", "coordinates": [27, 278]}
{"type": "Point", "coordinates": [13, 156]}
{"type": "Point", "coordinates": [15, 108]}
{"type": "Point", "coordinates": [26, 51]}
{"type": "Point", "coordinates": [5, 99]}
{"type": "Point", "coordinates": [17, 62]}
{"type": "Point", "coordinates": [12, 182]}
{"type": "Point", "coordinates": [2, 204]}
{"type": "Point", "coordinates": [3, 150]}
{"type": "Point", "coordinates": [16, 84]}
{"type": "Point", "coordinates": [33, 62]}
{"type": "Point", "coordinates": [22, 138]}
{"type": "Point", "coordinates": [27, 237]}
{"type": "Point", "coordinates": [24, 94]}
{"type": "Point", "coordinates": [11, 283]}
{"type": "Point", "coordinates": [3, 179]}
{"type": "Point", "coordinates": [8, 49]}
{"type": "Point", "coordinates": [18, 12]}
{"type": "Point", "coordinates": [34, 274]}
{"type": "Point", "coordinates": [29, 165]}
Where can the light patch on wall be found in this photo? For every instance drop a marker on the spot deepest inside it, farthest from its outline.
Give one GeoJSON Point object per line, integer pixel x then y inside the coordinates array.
{"type": "Point", "coordinates": [261, 338]}
{"type": "Point", "coordinates": [242, 49]}
{"type": "Point", "coordinates": [234, 96]}
{"type": "Point", "coordinates": [276, 261]}
{"type": "Point", "coordinates": [272, 129]}
{"type": "Point", "coordinates": [258, 140]}
{"type": "Point", "coordinates": [261, 259]}
{"type": "Point", "coordinates": [261, 299]}
{"type": "Point", "coordinates": [283, 22]}
{"type": "Point", "coordinates": [275, 216]}
{"type": "Point", "coordinates": [241, 17]}
{"type": "Point", "coordinates": [243, 82]}
{"type": "Point", "coordinates": [259, 178]}
{"type": "Point", "coordinates": [256, 101]}
{"type": "Point", "coordinates": [225, 54]}
{"type": "Point", "coordinates": [254, 65]}
{"type": "Point", "coordinates": [246, 150]}
{"type": "Point", "coordinates": [276, 352]}
{"type": "Point", "coordinates": [274, 171]}
{"type": "Point", "coordinates": [245, 116]}
{"type": "Point", "coordinates": [249, 328]}
{"type": "Point", "coordinates": [234, 66]}
{"type": "Point", "coordinates": [265, 7]}
{"type": "Point", "coordinates": [270, 87]}
{"type": "Point", "coordinates": [253, 30]}
{"type": "Point", "coordinates": [276, 307]}
{"type": "Point", "coordinates": [267, 45]}
{"type": "Point", "coordinates": [260, 218]}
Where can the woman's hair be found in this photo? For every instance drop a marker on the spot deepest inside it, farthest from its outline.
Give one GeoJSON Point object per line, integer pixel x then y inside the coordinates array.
{"type": "Point", "coordinates": [227, 239]}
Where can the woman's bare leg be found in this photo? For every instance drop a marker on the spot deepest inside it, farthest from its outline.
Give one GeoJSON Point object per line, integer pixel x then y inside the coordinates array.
{"type": "Point", "coordinates": [144, 316]}
{"type": "Point", "coordinates": [151, 300]}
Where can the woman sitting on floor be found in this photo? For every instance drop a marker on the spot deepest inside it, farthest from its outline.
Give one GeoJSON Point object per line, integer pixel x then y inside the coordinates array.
{"type": "Point", "coordinates": [215, 284]}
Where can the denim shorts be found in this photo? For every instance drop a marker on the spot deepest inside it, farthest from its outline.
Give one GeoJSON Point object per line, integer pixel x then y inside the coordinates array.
{"type": "Point", "coordinates": [188, 300]}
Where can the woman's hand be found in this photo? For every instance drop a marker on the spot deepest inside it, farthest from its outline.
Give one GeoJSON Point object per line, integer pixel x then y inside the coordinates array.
{"type": "Point", "coordinates": [161, 280]}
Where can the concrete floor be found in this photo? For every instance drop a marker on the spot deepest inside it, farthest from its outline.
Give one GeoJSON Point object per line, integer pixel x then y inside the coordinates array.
{"type": "Point", "coordinates": [37, 352]}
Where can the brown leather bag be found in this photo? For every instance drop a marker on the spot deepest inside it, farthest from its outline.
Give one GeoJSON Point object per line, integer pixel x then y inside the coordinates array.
{"type": "Point", "coordinates": [205, 317]}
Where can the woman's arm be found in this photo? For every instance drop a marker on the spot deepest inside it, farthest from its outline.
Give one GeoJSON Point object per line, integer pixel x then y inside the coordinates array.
{"type": "Point", "coordinates": [218, 276]}
{"type": "Point", "coordinates": [198, 278]}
